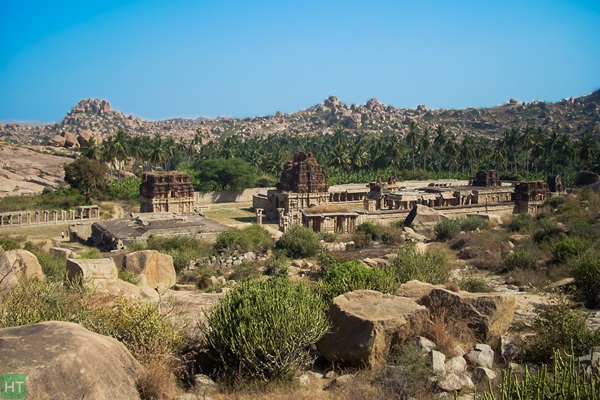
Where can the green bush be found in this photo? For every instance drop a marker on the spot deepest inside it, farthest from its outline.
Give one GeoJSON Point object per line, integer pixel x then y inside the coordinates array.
{"type": "Point", "coordinates": [520, 223]}
{"type": "Point", "coordinates": [561, 328]}
{"type": "Point", "coordinates": [183, 249]}
{"type": "Point", "coordinates": [277, 265]}
{"type": "Point", "coordinates": [371, 229]}
{"type": "Point", "coordinates": [446, 229]}
{"type": "Point", "coordinates": [568, 247]}
{"type": "Point", "coordinates": [586, 270]}
{"type": "Point", "coordinates": [474, 284]}
{"type": "Point", "coordinates": [236, 241]}
{"type": "Point", "coordinates": [522, 259]}
{"type": "Point", "coordinates": [472, 224]}
{"type": "Point", "coordinates": [353, 275]}
{"type": "Point", "coordinates": [554, 201]}
{"type": "Point", "coordinates": [299, 242]}
{"type": "Point", "coordinates": [262, 330]}
{"type": "Point", "coordinates": [430, 267]}
{"type": "Point", "coordinates": [328, 237]}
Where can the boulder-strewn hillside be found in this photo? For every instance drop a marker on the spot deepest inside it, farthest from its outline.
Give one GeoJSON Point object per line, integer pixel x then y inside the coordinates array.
{"type": "Point", "coordinates": [95, 118]}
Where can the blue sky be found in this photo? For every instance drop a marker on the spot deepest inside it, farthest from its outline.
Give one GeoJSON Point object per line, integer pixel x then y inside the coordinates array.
{"type": "Point", "coordinates": [177, 58]}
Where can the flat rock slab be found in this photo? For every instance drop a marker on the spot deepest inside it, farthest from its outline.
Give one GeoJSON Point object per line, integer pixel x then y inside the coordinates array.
{"type": "Point", "coordinates": [366, 324]}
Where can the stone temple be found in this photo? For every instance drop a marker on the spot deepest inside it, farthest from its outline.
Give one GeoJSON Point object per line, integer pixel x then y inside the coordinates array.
{"type": "Point", "coordinates": [166, 192]}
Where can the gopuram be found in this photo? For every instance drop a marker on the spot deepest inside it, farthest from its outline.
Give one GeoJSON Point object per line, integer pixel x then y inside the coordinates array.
{"type": "Point", "coordinates": [166, 192]}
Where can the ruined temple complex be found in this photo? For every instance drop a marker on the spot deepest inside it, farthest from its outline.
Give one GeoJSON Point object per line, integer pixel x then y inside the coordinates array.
{"type": "Point", "coordinates": [302, 197]}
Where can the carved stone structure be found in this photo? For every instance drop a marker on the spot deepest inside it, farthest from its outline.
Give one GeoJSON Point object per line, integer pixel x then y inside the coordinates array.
{"type": "Point", "coordinates": [303, 174]}
{"type": "Point", "coordinates": [555, 184]}
{"type": "Point", "coordinates": [166, 192]}
{"type": "Point", "coordinates": [487, 178]}
{"type": "Point", "coordinates": [530, 196]}
{"type": "Point", "coordinates": [81, 215]}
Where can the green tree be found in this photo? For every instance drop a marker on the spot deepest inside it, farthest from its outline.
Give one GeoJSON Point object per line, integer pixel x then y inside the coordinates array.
{"type": "Point", "coordinates": [225, 174]}
{"type": "Point", "coordinates": [86, 175]}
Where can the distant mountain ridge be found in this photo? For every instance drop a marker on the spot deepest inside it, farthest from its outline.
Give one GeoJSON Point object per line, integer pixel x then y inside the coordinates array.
{"type": "Point", "coordinates": [96, 118]}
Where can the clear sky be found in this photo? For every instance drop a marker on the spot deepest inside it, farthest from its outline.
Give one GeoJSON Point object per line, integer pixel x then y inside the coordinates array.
{"type": "Point", "coordinates": [177, 58]}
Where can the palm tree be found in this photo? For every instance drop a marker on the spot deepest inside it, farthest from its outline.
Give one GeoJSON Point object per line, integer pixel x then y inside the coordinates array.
{"type": "Point", "coordinates": [587, 148]}
{"type": "Point", "coordinates": [412, 139]}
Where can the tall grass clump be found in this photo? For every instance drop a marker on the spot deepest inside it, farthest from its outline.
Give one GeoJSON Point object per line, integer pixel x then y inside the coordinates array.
{"type": "Point", "coordinates": [472, 224]}
{"type": "Point", "coordinates": [446, 229]}
{"type": "Point", "coordinates": [299, 242]}
{"type": "Point", "coordinates": [262, 330]}
{"type": "Point", "coordinates": [430, 267]}
{"type": "Point", "coordinates": [352, 275]}
{"type": "Point", "coordinates": [520, 223]}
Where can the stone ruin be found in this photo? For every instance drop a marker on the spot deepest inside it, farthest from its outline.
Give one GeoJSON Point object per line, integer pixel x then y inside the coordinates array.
{"type": "Point", "coordinates": [487, 178]}
{"type": "Point", "coordinates": [166, 192]}
{"type": "Point", "coordinates": [531, 191]}
{"type": "Point", "coordinates": [555, 184]}
{"type": "Point", "coordinates": [303, 174]}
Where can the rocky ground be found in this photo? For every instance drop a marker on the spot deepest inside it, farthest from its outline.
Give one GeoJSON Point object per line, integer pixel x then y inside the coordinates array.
{"type": "Point", "coordinates": [26, 170]}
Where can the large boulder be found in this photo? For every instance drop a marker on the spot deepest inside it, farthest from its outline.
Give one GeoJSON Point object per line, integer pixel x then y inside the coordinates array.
{"type": "Point", "coordinates": [423, 219]}
{"type": "Point", "coordinates": [17, 266]}
{"type": "Point", "coordinates": [157, 267]}
{"type": "Point", "coordinates": [489, 315]}
{"type": "Point", "coordinates": [93, 272]}
{"type": "Point", "coordinates": [366, 324]}
{"type": "Point", "coordinates": [63, 360]}
{"type": "Point", "coordinates": [586, 178]}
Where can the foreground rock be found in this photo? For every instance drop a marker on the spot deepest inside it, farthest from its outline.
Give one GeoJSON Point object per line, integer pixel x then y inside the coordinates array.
{"type": "Point", "coordinates": [17, 266]}
{"type": "Point", "coordinates": [157, 267]}
{"type": "Point", "coordinates": [366, 323]}
{"type": "Point", "coordinates": [63, 360]}
{"type": "Point", "coordinates": [489, 315]}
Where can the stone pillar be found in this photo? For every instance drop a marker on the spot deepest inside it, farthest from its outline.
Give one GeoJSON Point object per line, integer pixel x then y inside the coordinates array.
{"type": "Point", "coordinates": [259, 216]}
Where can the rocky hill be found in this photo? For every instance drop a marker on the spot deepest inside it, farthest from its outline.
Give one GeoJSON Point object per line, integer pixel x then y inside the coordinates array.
{"type": "Point", "coordinates": [95, 118]}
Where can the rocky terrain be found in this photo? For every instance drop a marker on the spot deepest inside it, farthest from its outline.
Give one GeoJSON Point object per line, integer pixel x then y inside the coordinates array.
{"type": "Point", "coordinates": [95, 118]}
{"type": "Point", "coordinates": [26, 170]}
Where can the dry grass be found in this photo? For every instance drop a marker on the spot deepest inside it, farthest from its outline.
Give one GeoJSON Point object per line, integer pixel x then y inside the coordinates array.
{"type": "Point", "coordinates": [157, 381]}
{"type": "Point", "coordinates": [448, 333]}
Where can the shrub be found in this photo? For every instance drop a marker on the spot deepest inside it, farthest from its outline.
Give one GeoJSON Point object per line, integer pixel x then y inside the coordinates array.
{"type": "Point", "coordinates": [568, 247]}
{"type": "Point", "coordinates": [518, 259]}
{"type": "Point", "coordinates": [474, 285]}
{"type": "Point", "coordinates": [277, 265]}
{"type": "Point", "coordinates": [236, 241]}
{"type": "Point", "coordinates": [472, 224]}
{"type": "Point", "coordinates": [520, 223]}
{"type": "Point", "coordinates": [586, 270]}
{"type": "Point", "coordinates": [431, 267]}
{"type": "Point", "coordinates": [353, 275]}
{"type": "Point", "coordinates": [561, 328]}
{"type": "Point", "coordinates": [183, 249]}
{"type": "Point", "coordinates": [446, 229]}
{"type": "Point", "coordinates": [361, 240]}
{"type": "Point", "coordinates": [371, 229]}
{"type": "Point", "coordinates": [262, 330]}
{"type": "Point", "coordinates": [299, 242]}
{"type": "Point", "coordinates": [328, 237]}
{"type": "Point", "coordinates": [554, 201]}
